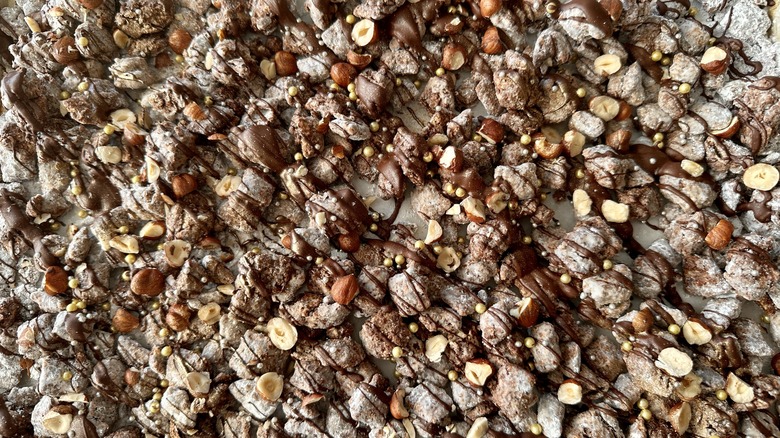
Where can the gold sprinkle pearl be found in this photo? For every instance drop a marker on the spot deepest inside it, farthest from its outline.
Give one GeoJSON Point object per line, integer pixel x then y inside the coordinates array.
{"type": "Point", "coordinates": [607, 265]}
{"type": "Point", "coordinates": [109, 129]}
{"type": "Point", "coordinates": [674, 329]}
{"type": "Point", "coordinates": [643, 403]}
{"type": "Point", "coordinates": [646, 414]}
{"type": "Point", "coordinates": [400, 259]}
{"type": "Point", "coordinates": [413, 327]}
{"type": "Point", "coordinates": [684, 88]}
{"type": "Point", "coordinates": [368, 151]}
{"type": "Point", "coordinates": [452, 375]}
{"type": "Point", "coordinates": [419, 244]}
{"type": "Point", "coordinates": [480, 308]}
{"type": "Point", "coordinates": [83, 86]}
{"type": "Point", "coordinates": [528, 240]}
{"type": "Point", "coordinates": [626, 346]}
{"type": "Point", "coordinates": [397, 352]}
{"type": "Point", "coordinates": [656, 55]}
{"type": "Point", "coordinates": [67, 375]}
{"type": "Point", "coordinates": [721, 395]}
{"type": "Point", "coordinates": [525, 139]}
{"type": "Point", "coordinates": [166, 351]}
{"type": "Point", "coordinates": [388, 262]}
{"type": "Point", "coordinates": [529, 342]}
{"type": "Point", "coordinates": [565, 278]}
{"type": "Point", "coordinates": [350, 19]}
{"type": "Point", "coordinates": [536, 429]}
{"type": "Point", "coordinates": [581, 92]}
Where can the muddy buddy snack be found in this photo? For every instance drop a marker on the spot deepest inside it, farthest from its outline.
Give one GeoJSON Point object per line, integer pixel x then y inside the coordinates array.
{"type": "Point", "coordinates": [389, 218]}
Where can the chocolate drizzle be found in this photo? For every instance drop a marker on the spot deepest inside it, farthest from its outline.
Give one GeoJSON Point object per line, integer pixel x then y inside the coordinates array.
{"type": "Point", "coordinates": [13, 88]}
{"type": "Point", "coordinates": [16, 220]}
{"type": "Point", "coordinates": [594, 14]}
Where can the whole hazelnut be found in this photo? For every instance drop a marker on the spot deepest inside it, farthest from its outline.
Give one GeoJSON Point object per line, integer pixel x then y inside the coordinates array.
{"type": "Point", "coordinates": [489, 7]}
{"type": "Point", "coordinates": [149, 282]}
{"type": "Point", "coordinates": [349, 242]}
{"type": "Point", "coordinates": [491, 41]}
{"type": "Point", "coordinates": [124, 321]}
{"type": "Point", "coordinates": [64, 50]}
{"type": "Point", "coordinates": [344, 289]}
{"type": "Point", "coordinates": [643, 320]}
{"type": "Point", "coordinates": [132, 376]}
{"type": "Point", "coordinates": [343, 73]}
{"type": "Point", "coordinates": [184, 184]}
{"type": "Point", "coordinates": [178, 317]}
{"type": "Point", "coordinates": [286, 64]}
{"type": "Point", "coordinates": [90, 4]}
{"type": "Point", "coordinates": [720, 235]}
{"type": "Point", "coordinates": [179, 40]}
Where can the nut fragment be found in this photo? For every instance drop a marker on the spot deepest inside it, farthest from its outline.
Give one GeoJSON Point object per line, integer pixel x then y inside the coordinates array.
{"type": "Point", "coordinates": [108, 154]}
{"type": "Point", "coordinates": [491, 41]}
{"type": "Point", "coordinates": [199, 383]}
{"type": "Point", "coordinates": [453, 56]}
{"type": "Point", "coordinates": [547, 144]}
{"type": "Point", "coordinates": [120, 39]}
{"type": "Point", "coordinates": [178, 317]}
{"type": "Point", "coordinates": [527, 312]}
{"type": "Point", "coordinates": [479, 428]}
{"type": "Point", "coordinates": [268, 69]}
{"type": "Point", "coordinates": [176, 252]}
{"type": "Point", "coordinates": [696, 332]}
{"type": "Point", "coordinates": [125, 244]}
{"type": "Point", "coordinates": [210, 313]}
{"type": "Point", "coordinates": [715, 60]}
{"type": "Point", "coordinates": [606, 65]}
{"type": "Point", "coordinates": [283, 334]}
{"type": "Point", "coordinates": [448, 260]}
{"type": "Point", "coordinates": [55, 281]}
{"type": "Point", "coordinates": [720, 235]}
{"type": "Point", "coordinates": [730, 130]}
{"type": "Point", "coordinates": [451, 159]}
{"type": "Point", "coordinates": [573, 142]}
{"type": "Point", "coordinates": [680, 417]}
{"type": "Point", "coordinates": [227, 185]}
{"type": "Point", "coordinates": [364, 32]}
{"type": "Point", "coordinates": [124, 321]}
{"type": "Point", "coordinates": [738, 389]}
{"type": "Point", "coordinates": [674, 361]}
{"type": "Point", "coordinates": [148, 281]}
{"type": "Point", "coordinates": [344, 289]}
{"type": "Point", "coordinates": [690, 387]}
{"type": "Point", "coordinates": [152, 230]}
{"type": "Point", "coordinates": [761, 176]}
{"type": "Point", "coordinates": [614, 211]}
{"type": "Point", "coordinates": [497, 201]}
{"type": "Point", "coordinates": [604, 107]}
{"type": "Point", "coordinates": [434, 232]}
{"type": "Point", "coordinates": [121, 117]}
{"type": "Point", "coordinates": [475, 209]}
{"type": "Point", "coordinates": [492, 131]}
{"type": "Point", "coordinates": [693, 168]}
{"type": "Point", "coordinates": [477, 371]}
{"type": "Point", "coordinates": [270, 386]}
{"type": "Point", "coordinates": [57, 422]}
{"type": "Point", "coordinates": [343, 73]}
{"type": "Point", "coordinates": [570, 392]}
{"type": "Point", "coordinates": [581, 202]}
{"type": "Point", "coordinates": [397, 408]}
{"type": "Point", "coordinates": [435, 346]}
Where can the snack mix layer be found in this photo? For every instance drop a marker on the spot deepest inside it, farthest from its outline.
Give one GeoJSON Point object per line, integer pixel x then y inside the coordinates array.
{"type": "Point", "coordinates": [389, 218]}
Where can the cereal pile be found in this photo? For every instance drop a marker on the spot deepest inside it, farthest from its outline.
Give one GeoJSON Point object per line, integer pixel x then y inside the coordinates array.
{"type": "Point", "coordinates": [380, 218]}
